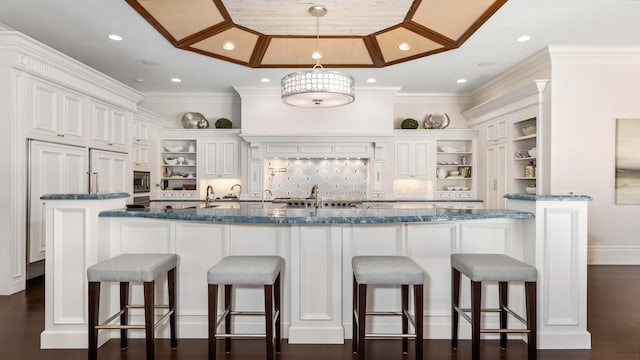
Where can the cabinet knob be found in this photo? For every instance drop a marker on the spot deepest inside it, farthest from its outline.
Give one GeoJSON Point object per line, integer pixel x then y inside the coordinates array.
{"type": "Point", "coordinates": [110, 144]}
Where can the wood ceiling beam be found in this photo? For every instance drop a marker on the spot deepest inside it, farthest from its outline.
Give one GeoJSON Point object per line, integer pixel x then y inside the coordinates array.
{"type": "Point", "coordinates": [374, 50]}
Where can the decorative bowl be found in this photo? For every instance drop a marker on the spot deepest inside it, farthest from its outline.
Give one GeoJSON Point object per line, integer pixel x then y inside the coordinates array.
{"type": "Point", "coordinates": [533, 152]}
{"type": "Point", "coordinates": [454, 173]}
{"type": "Point", "coordinates": [448, 149]}
{"type": "Point", "coordinates": [409, 124]}
{"type": "Point", "coordinates": [190, 161]}
{"type": "Point", "coordinates": [190, 120]}
{"type": "Point", "coordinates": [170, 161]}
{"type": "Point", "coordinates": [223, 123]}
{"type": "Point", "coordinates": [173, 148]}
{"type": "Point", "coordinates": [528, 130]}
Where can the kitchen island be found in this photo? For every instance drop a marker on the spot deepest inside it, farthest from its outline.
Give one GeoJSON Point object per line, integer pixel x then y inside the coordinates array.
{"type": "Point", "coordinates": [317, 245]}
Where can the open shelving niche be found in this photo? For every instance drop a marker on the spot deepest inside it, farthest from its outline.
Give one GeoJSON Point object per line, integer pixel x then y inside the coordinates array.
{"type": "Point", "coordinates": [523, 143]}
{"type": "Point", "coordinates": [179, 161]}
{"type": "Point", "coordinates": [455, 155]}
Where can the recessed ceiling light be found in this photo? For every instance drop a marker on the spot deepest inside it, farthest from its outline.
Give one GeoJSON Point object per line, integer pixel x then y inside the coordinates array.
{"type": "Point", "coordinates": [371, 81]}
{"type": "Point", "coordinates": [228, 46]}
{"type": "Point", "coordinates": [115, 37]}
{"type": "Point", "coordinates": [316, 56]}
{"type": "Point", "coordinates": [176, 80]}
{"type": "Point", "coordinates": [523, 38]}
{"type": "Point", "coordinates": [265, 80]}
{"type": "Point", "coordinates": [486, 63]}
{"type": "Point", "coordinates": [461, 81]}
{"type": "Point", "coordinates": [404, 47]}
{"type": "Point", "coordinates": [138, 80]}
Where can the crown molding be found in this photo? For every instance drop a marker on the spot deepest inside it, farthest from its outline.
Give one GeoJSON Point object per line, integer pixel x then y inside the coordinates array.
{"type": "Point", "coordinates": [191, 97]}
{"type": "Point", "coordinates": [31, 56]}
{"type": "Point", "coordinates": [434, 97]}
{"type": "Point", "coordinates": [602, 55]}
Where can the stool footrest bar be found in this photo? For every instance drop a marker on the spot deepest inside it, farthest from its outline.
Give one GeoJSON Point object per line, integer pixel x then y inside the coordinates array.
{"type": "Point", "coordinates": [240, 336]}
{"type": "Point", "coordinates": [389, 336]}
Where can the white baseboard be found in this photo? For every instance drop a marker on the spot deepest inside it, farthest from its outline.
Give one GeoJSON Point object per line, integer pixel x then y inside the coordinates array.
{"type": "Point", "coordinates": [613, 255]}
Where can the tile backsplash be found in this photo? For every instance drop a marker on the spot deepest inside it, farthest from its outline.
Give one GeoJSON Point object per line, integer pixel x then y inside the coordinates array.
{"type": "Point", "coordinates": [338, 178]}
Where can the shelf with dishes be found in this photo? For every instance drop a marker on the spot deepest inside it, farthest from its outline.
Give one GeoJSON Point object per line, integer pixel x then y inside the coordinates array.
{"type": "Point", "coordinates": [179, 169]}
{"type": "Point", "coordinates": [525, 156]}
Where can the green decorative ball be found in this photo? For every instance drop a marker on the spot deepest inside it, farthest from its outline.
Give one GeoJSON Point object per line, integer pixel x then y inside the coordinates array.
{"type": "Point", "coordinates": [409, 124]}
{"type": "Point", "coordinates": [223, 123]}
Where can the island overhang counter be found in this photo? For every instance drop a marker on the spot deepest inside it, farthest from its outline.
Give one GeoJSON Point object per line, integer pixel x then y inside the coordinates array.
{"type": "Point", "coordinates": [317, 245]}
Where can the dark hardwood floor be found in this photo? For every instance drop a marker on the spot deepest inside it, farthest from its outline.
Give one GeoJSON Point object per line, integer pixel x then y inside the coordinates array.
{"type": "Point", "coordinates": [613, 297]}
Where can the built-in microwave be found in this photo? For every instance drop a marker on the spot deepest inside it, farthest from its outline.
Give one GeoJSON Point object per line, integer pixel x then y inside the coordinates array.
{"type": "Point", "coordinates": [141, 181]}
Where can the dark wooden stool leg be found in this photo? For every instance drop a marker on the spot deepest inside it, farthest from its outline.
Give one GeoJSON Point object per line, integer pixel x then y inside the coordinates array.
{"type": "Point", "coordinates": [149, 320]}
{"type": "Point", "coordinates": [476, 300]}
{"type": "Point", "coordinates": [213, 318]}
{"type": "Point", "coordinates": [532, 320]}
{"type": "Point", "coordinates": [276, 296]}
{"type": "Point", "coordinates": [362, 315]}
{"type": "Point", "coordinates": [124, 300]}
{"type": "Point", "coordinates": [503, 291]}
{"type": "Point", "coordinates": [94, 312]}
{"type": "Point", "coordinates": [405, 321]}
{"type": "Point", "coordinates": [228, 289]}
{"type": "Point", "coordinates": [354, 325]}
{"type": "Point", "coordinates": [455, 301]}
{"type": "Point", "coordinates": [268, 318]}
{"type": "Point", "coordinates": [171, 279]}
{"type": "Point", "coordinates": [418, 311]}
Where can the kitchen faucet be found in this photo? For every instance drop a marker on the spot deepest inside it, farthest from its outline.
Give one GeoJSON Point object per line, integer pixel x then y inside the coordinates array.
{"type": "Point", "coordinates": [315, 194]}
{"type": "Point", "coordinates": [265, 191]}
{"type": "Point", "coordinates": [207, 199]}
{"type": "Point", "coordinates": [237, 185]}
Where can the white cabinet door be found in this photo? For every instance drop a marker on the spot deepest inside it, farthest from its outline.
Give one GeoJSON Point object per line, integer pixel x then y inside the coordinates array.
{"type": "Point", "coordinates": [108, 127]}
{"type": "Point", "coordinates": [140, 133]}
{"type": "Point", "coordinates": [496, 176]}
{"type": "Point", "coordinates": [109, 171]}
{"type": "Point", "coordinates": [54, 169]}
{"type": "Point", "coordinates": [54, 113]}
{"type": "Point", "coordinates": [412, 159]}
{"type": "Point", "coordinates": [221, 158]}
{"type": "Point", "coordinates": [140, 156]}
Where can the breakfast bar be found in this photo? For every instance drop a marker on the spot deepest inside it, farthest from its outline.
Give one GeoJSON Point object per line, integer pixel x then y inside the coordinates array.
{"type": "Point", "coordinates": [317, 245]}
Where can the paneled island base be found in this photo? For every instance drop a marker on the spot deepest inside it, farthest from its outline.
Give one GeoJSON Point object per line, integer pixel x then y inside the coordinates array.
{"type": "Point", "coordinates": [317, 277]}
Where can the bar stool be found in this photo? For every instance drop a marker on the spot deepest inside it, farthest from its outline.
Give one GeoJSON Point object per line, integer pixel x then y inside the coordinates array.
{"type": "Point", "coordinates": [386, 270]}
{"type": "Point", "coordinates": [124, 269]}
{"type": "Point", "coordinates": [245, 270]}
{"type": "Point", "coordinates": [503, 269]}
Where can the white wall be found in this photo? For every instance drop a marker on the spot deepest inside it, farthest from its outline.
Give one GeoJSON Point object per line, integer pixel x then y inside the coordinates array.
{"type": "Point", "coordinates": [591, 88]}
{"type": "Point", "coordinates": [419, 106]}
{"type": "Point", "coordinates": [264, 113]}
{"type": "Point", "coordinates": [172, 106]}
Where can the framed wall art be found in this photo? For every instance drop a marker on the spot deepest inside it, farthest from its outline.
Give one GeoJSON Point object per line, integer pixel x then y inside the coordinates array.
{"type": "Point", "coordinates": [627, 161]}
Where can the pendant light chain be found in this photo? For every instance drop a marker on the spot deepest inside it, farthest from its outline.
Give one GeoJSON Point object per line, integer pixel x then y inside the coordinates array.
{"type": "Point", "coordinates": [319, 56]}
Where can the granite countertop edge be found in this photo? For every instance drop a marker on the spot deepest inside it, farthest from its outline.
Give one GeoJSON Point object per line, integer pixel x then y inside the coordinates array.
{"type": "Point", "coordinates": [103, 196]}
{"type": "Point", "coordinates": [265, 217]}
{"type": "Point", "coordinates": [534, 197]}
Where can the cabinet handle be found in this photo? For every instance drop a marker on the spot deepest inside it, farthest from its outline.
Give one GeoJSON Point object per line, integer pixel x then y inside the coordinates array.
{"type": "Point", "coordinates": [110, 144]}
{"type": "Point", "coordinates": [495, 184]}
{"type": "Point", "coordinates": [138, 140]}
{"type": "Point", "coordinates": [378, 175]}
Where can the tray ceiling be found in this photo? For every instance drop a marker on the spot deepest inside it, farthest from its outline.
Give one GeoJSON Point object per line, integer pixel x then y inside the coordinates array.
{"type": "Point", "coordinates": [281, 34]}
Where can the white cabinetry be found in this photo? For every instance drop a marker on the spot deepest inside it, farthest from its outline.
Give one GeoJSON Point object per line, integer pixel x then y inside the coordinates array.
{"type": "Point", "coordinates": [54, 169]}
{"type": "Point", "coordinates": [220, 158]}
{"type": "Point", "coordinates": [496, 130]}
{"type": "Point", "coordinates": [54, 113]}
{"type": "Point", "coordinates": [496, 173]}
{"type": "Point", "coordinates": [139, 145]}
{"type": "Point", "coordinates": [109, 172]}
{"type": "Point", "coordinates": [179, 169]}
{"type": "Point", "coordinates": [412, 159]}
{"type": "Point", "coordinates": [108, 130]}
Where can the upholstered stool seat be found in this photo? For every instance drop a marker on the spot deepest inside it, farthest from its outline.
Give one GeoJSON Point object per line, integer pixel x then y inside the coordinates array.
{"type": "Point", "coordinates": [387, 270]}
{"type": "Point", "coordinates": [126, 268]}
{"type": "Point", "coordinates": [502, 269]}
{"type": "Point", "coordinates": [245, 270]}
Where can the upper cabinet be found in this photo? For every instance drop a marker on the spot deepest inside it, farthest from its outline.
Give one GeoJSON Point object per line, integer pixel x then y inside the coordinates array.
{"type": "Point", "coordinates": [140, 133]}
{"type": "Point", "coordinates": [108, 126]}
{"type": "Point", "coordinates": [496, 131]}
{"type": "Point", "coordinates": [220, 158]}
{"type": "Point", "coordinates": [412, 159]}
{"type": "Point", "coordinates": [55, 113]}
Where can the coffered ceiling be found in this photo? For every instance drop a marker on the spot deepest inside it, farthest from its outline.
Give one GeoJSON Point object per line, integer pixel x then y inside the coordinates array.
{"type": "Point", "coordinates": [146, 60]}
{"type": "Point", "coordinates": [281, 33]}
